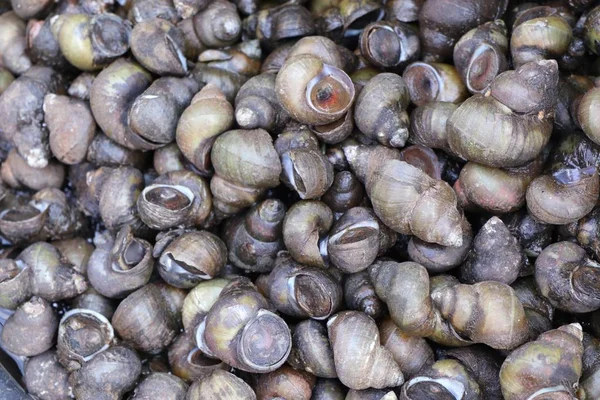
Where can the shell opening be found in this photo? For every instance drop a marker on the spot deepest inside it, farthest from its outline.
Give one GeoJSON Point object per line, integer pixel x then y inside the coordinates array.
{"type": "Point", "coordinates": [199, 339]}
{"type": "Point", "coordinates": [172, 198]}
{"type": "Point", "coordinates": [455, 388]}
{"type": "Point", "coordinates": [385, 46]}
{"type": "Point", "coordinates": [330, 92]}
{"type": "Point", "coordinates": [10, 269]}
{"type": "Point", "coordinates": [134, 253]}
{"type": "Point", "coordinates": [290, 172]}
{"type": "Point", "coordinates": [323, 243]}
{"type": "Point", "coordinates": [483, 67]}
{"type": "Point", "coordinates": [110, 36]}
{"type": "Point", "coordinates": [540, 394]}
{"type": "Point", "coordinates": [265, 342]}
{"type": "Point", "coordinates": [198, 358]}
{"type": "Point", "coordinates": [424, 82]}
{"type": "Point", "coordinates": [170, 263]}
{"type": "Point", "coordinates": [85, 333]}
{"type": "Point", "coordinates": [355, 25]}
{"type": "Point", "coordinates": [180, 57]}
{"type": "Point", "coordinates": [356, 232]}
{"type": "Point", "coordinates": [572, 176]}
{"type": "Point", "coordinates": [423, 158]}
{"type": "Point", "coordinates": [20, 214]}
{"type": "Point", "coordinates": [310, 295]}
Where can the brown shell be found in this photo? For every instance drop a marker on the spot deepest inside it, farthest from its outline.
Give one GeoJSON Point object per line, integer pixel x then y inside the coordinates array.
{"type": "Point", "coordinates": [369, 364]}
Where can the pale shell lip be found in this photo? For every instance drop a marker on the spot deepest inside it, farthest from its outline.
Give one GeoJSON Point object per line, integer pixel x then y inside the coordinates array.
{"type": "Point", "coordinates": [456, 388]}
{"type": "Point", "coordinates": [101, 318]}
{"type": "Point", "coordinates": [183, 189]}
{"type": "Point", "coordinates": [553, 389]}
{"type": "Point", "coordinates": [199, 339]}
{"type": "Point", "coordinates": [169, 263]}
{"type": "Point", "coordinates": [369, 224]}
{"type": "Point", "coordinates": [481, 50]}
{"type": "Point", "coordinates": [156, 215]}
{"type": "Point", "coordinates": [263, 368]}
{"type": "Point", "coordinates": [338, 75]}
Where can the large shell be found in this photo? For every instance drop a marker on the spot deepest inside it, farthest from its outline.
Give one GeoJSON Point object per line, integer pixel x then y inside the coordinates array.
{"type": "Point", "coordinates": [191, 258]}
{"type": "Point", "coordinates": [111, 96]}
{"type": "Point", "coordinates": [202, 207]}
{"type": "Point", "coordinates": [144, 320]}
{"type": "Point", "coordinates": [486, 312]}
{"type": "Point", "coordinates": [550, 365]}
{"type": "Point", "coordinates": [481, 54]}
{"type": "Point", "coordinates": [157, 45]}
{"type": "Point", "coordinates": [304, 228]}
{"type": "Point", "coordinates": [445, 379]}
{"type": "Point", "coordinates": [155, 113]}
{"type": "Point", "coordinates": [311, 350]}
{"type": "Point", "coordinates": [518, 138]}
{"type": "Point", "coordinates": [51, 278]}
{"type": "Point", "coordinates": [566, 276]}
{"type": "Point", "coordinates": [434, 82]}
{"type": "Point", "coordinates": [31, 330]}
{"type": "Point", "coordinates": [123, 267]}
{"type": "Point", "coordinates": [412, 353]}
{"type": "Point", "coordinates": [369, 364]}
{"type": "Point", "coordinates": [565, 197]}
{"type": "Point", "coordinates": [258, 166]}
{"type": "Point", "coordinates": [91, 42]}
{"type": "Point", "coordinates": [254, 339]}
{"type": "Point", "coordinates": [302, 291]}
{"type": "Point", "coordinates": [199, 300]}
{"type": "Point", "coordinates": [404, 287]}
{"type": "Point", "coordinates": [410, 202]}
{"type": "Point", "coordinates": [353, 240]}
{"type": "Point", "coordinates": [188, 362]}
{"type": "Point", "coordinates": [254, 239]}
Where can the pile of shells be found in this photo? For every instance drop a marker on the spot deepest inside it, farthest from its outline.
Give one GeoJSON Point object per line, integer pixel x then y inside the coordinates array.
{"type": "Point", "coordinates": [326, 200]}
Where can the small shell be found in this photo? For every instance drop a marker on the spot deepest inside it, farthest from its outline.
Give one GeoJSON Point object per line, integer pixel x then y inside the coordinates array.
{"type": "Point", "coordinates": [565, 197]}
{"type": "Point", "coordinates": [15, 286]}
{"type": "Point", "coordinates": [307, 171]}
{"type": "Point", "coordinates": [389, 44]}
{"type": "Point", "coordinates": [304, 229]}
{"type": "Point", "coordinates": [144, 319]}
{"type": "Point", "coordinates": [220, 384]}
{"type": "Point", "coordinates": [191, 258]}
{"type": "Point", "coordinates": [353, 240]}
{"type": "Point", "coordinates": [165, 206]}
{"type": "Point", "coordinates": [31, 330]}
{"type": "Point", "coordinates": [434, 82]}
{"type": "Point", "coordinates": [380, 111]}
